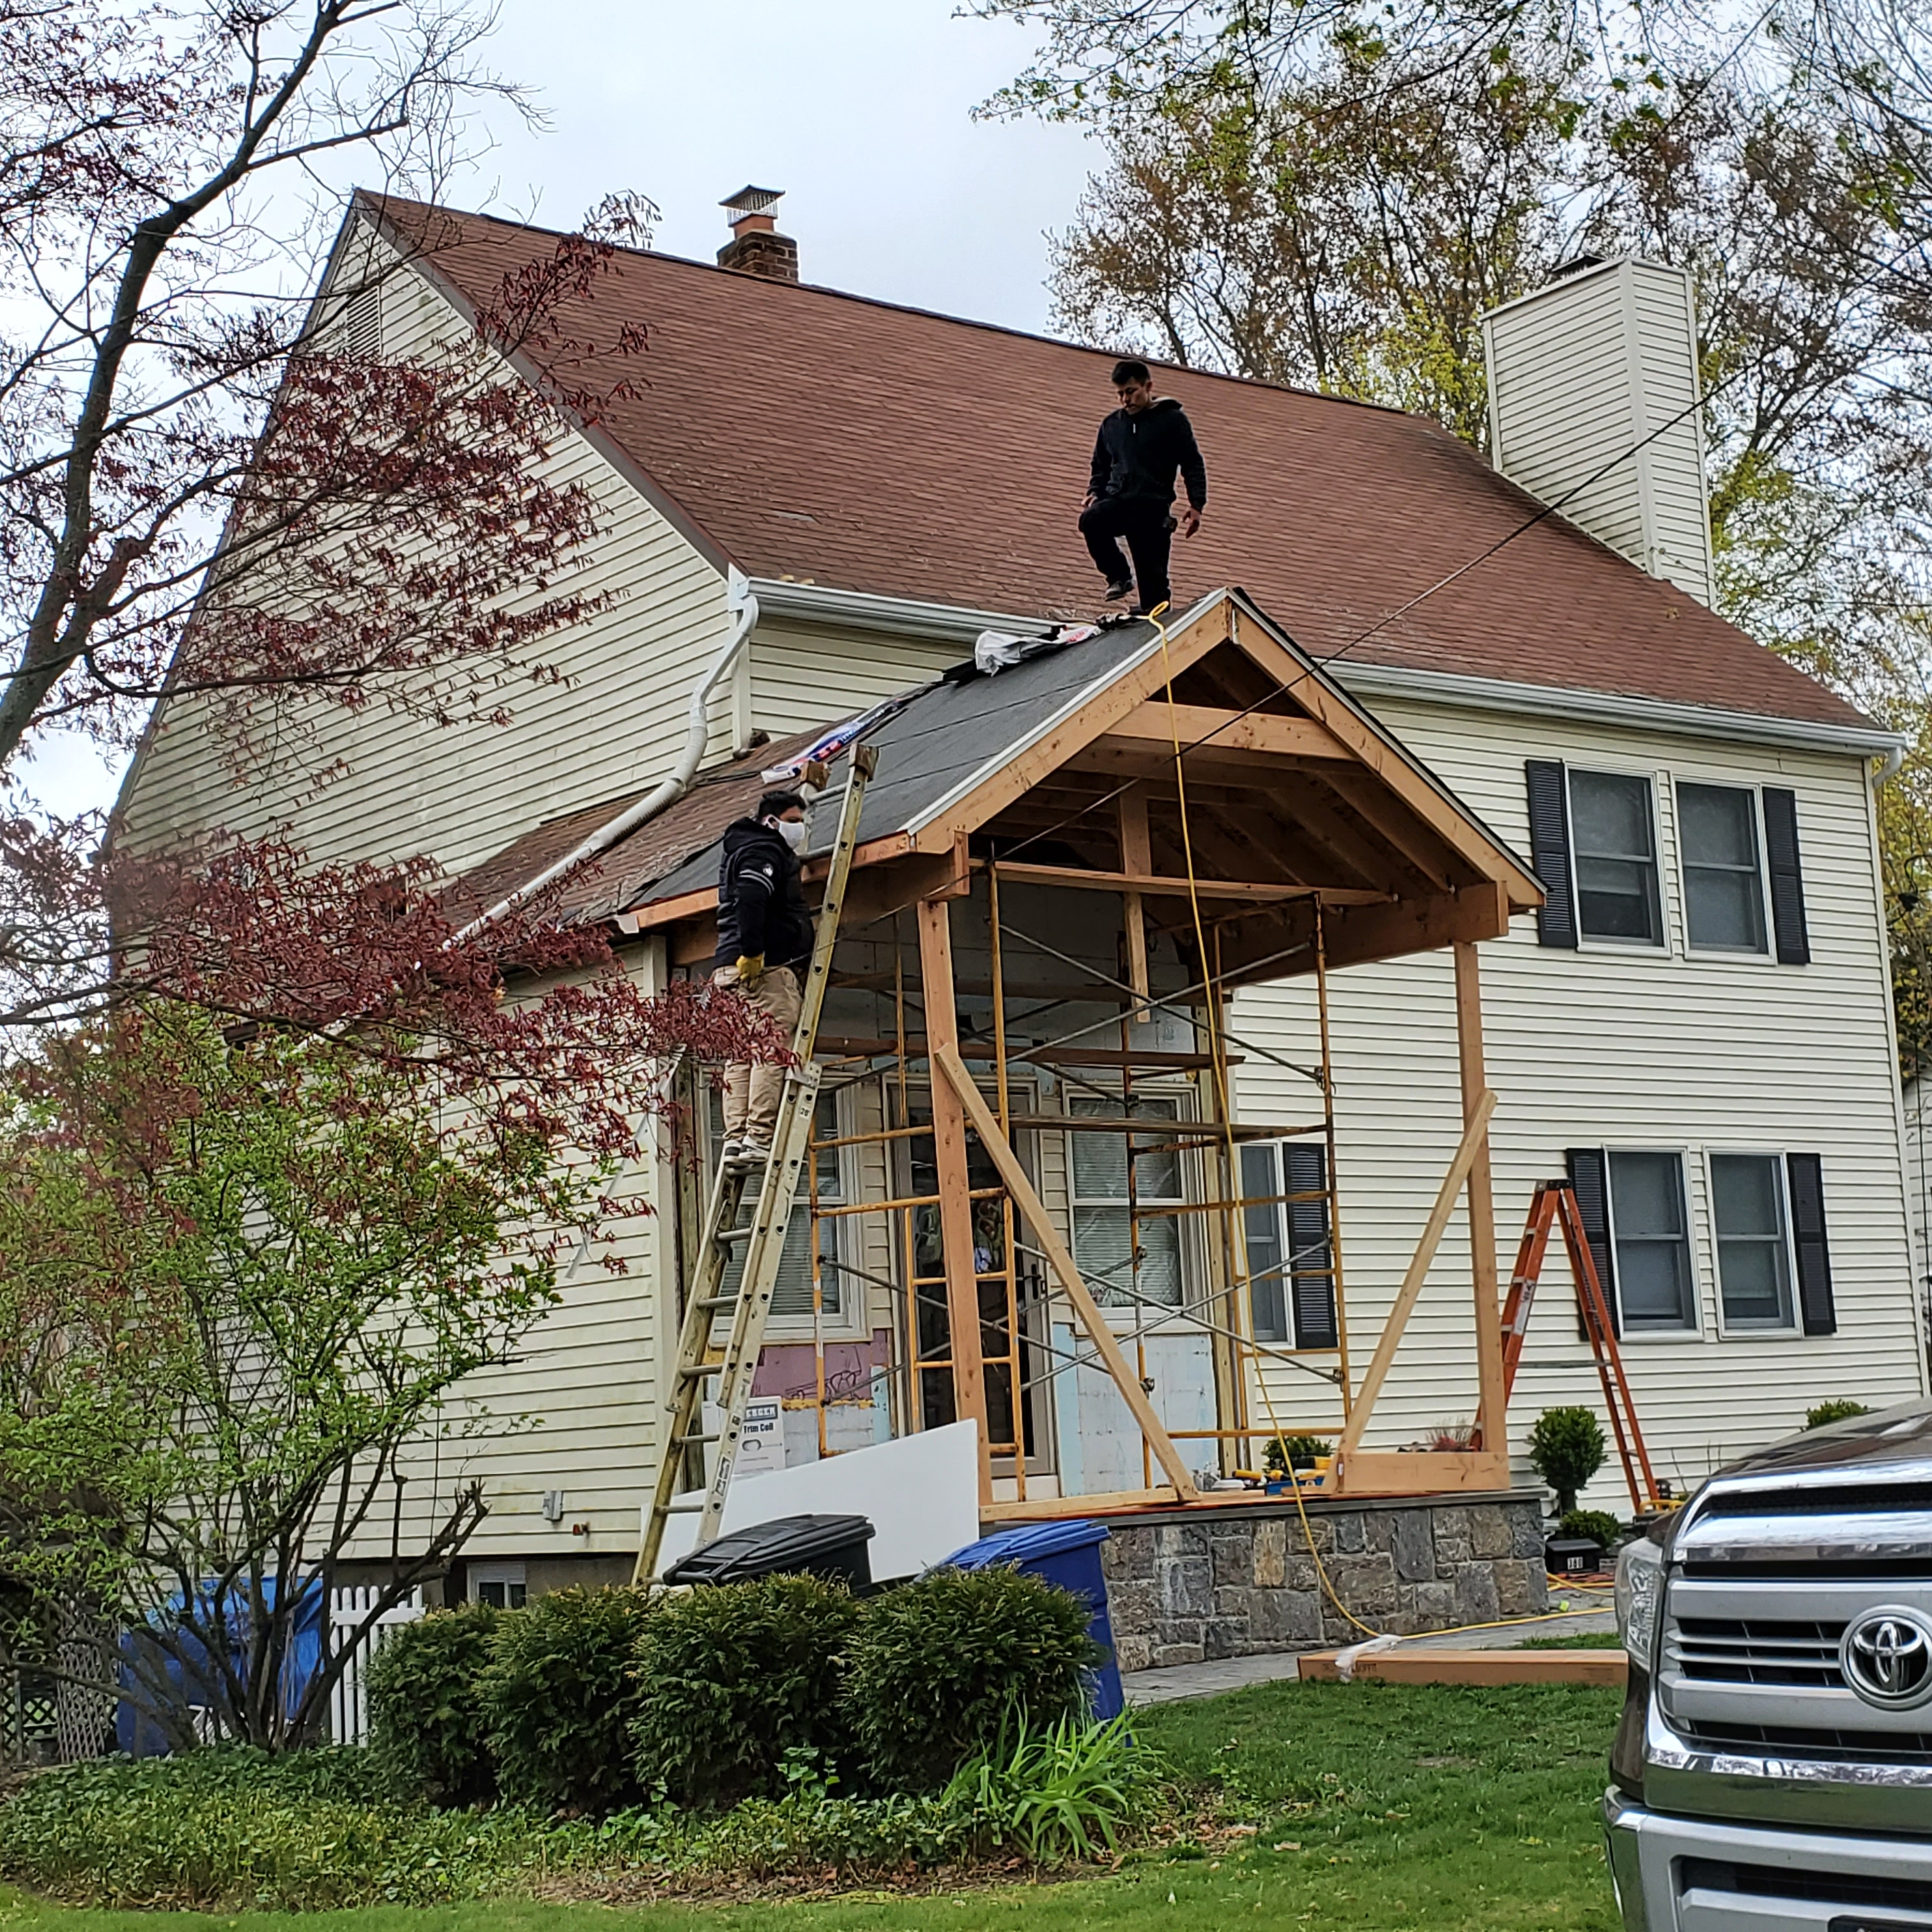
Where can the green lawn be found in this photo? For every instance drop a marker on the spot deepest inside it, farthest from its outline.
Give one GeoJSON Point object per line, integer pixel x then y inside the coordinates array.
{"type": "Point", "coordinates": [1380, 1808]}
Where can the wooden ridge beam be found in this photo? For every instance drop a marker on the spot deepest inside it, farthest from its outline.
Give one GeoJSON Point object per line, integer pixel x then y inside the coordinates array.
{"type": "Point", "coordinates": [1160, 886]}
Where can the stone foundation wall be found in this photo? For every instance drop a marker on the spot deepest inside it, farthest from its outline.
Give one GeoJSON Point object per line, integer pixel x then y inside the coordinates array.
{"type": "Point", "coordinates": [1228, 1581]}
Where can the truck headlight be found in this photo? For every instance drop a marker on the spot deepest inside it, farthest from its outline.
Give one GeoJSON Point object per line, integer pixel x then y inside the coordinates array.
{"type": "Point", "coordinates": [1639, 1599]}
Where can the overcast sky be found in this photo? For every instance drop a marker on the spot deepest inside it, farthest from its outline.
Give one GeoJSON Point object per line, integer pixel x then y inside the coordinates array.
{"type": "Point", "coordinates": [859, 109]}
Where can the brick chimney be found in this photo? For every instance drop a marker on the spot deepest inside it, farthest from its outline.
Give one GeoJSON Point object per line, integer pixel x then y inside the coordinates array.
{"type": "Point", "coordinates": [756, 247]}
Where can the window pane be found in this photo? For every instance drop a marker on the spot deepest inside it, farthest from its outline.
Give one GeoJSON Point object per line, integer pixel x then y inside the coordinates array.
{"type": "Point", "coordinates": [1723, 897]}
{"type": "Point", "coordinates": [1267, 1289]}
{"type": "Point", "coordinates": [1753, 1261]}
{"type": "Point", "coordinates": [791, 1296]}
{"type": "Point", "coordinates": [1102, 1246]}
{"type": "Point", "coordinates": [1616, 856]}
{"type": "Point", "coordinates": [1718, 825]}
{"type": "Point", "coordinates": [1653, 1257]}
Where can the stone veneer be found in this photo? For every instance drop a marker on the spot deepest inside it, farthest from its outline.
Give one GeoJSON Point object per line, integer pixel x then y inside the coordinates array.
{"type": "Point", "coordinates": [1227, 1580]}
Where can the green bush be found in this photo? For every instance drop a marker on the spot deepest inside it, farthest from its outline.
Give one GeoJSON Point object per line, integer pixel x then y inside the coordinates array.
{"type": "Point", "coordinates": [1062, 1793]}
{"type": "Point", "coordinates": [1598, 1525]}
{"type": "Point", "coordinates": [941, 1669]}
{"type": "Point", "coordinates": [1838, 1410]}
{"type": "Point", "coordinates": [1285, 1451]}
{"type": "Point", "coordinates": [1566, 1449]}
{"type": "Point", "coordinates": [559, 1693]}
{"type": "Point", "coordinates": [733, 1678]}
{"type": "Point", "coordinates": [426, 1717]}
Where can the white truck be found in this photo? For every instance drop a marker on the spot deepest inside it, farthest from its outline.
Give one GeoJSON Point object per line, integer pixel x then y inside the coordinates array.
{"type": "Point", "coordinates": [1773, 1769]}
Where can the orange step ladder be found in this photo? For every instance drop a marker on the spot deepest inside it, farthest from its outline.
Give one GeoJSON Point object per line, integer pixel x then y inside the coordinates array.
{"type": "Point", "coordinates": [1554, 1204]}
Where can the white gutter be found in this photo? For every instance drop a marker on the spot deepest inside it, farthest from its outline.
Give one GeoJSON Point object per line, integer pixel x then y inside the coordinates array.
{"type": "Point", "coordinates": [903, 616]}
{"type": "Point", "coordinates": [739, 599]}
{"type": "Point", "coordinates": [1607, 707]}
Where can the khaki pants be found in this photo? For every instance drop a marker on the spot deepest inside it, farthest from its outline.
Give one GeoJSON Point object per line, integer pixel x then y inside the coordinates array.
{"type": "Point", "coordinates": [752, 1087]}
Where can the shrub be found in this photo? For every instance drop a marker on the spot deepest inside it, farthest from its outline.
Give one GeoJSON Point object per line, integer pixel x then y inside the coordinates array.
{"type": "Point", "coordinates": [1060, 1793]}
{"type": "Point", "coordinates": [559, 1693]}
{"type": "Point", "coordinates": [1285, 1451]}
{"type": "Point", "coordinates": [941, 1669]}
{"type": "Point", "coordinates": [1599, 1526]}
{"type": "Point", "coordinates": [426, 1717]}
{"type": "Point", "coordinates": [234, 1829]}
{"type": "Point", "coordinates": [731, 1679]}
{"type": "Point", "coordinates": [1566, 1449]}
{"type": "Point", "coordinates": [1838, 1410]}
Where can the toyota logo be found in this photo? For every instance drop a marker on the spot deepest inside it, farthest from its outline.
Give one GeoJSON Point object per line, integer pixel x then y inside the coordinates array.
{"type": "Point", "coordinates": [1887, 1657]}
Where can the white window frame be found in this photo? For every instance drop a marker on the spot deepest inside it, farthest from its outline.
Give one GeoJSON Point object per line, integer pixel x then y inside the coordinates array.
{"type": "Point", "coordinates": [1794, 1326]}
{"type": "Point", "coordinates": [1133, 1315]}
{"type": "Point", "coordinates": [514, 1575]}
{"type": "Point", "coordinates": [1292, 1344]}
{"type": "Point", "coordinates": [1663, 947]}
{"type": "Point", "coordinates": [853, 1322]}
{"type": "Point", "coordinates": [1751, 955]}
{"type": "Point", "coordinates": [1694, 1330]}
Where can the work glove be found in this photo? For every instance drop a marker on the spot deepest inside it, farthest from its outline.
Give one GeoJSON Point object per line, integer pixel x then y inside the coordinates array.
{"type": "Point", "coordinates": [750, 968]}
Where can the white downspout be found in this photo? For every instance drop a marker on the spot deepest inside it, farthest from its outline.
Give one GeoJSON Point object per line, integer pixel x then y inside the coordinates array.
{"type": "Point", "coordinates": [1889, 765]}
{"type": "Point", "coordinates": [738, 600]}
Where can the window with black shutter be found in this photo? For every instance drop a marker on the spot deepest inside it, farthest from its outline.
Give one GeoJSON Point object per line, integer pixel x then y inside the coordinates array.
{"type": "Point", "coordinates": [1549, 850]}
{"type": "Point", "coordinates": [1587, 1177]}
{"type": "Point", "coordinates": [1290, 1251]}
{"type": "Point", "coordinates": [1805, 1175]}
{"type": "Point", "coordinates": [1788, 926]}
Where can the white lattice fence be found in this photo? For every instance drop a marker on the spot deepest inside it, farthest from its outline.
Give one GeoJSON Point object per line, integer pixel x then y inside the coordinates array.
{"type": "Point", "coordinates": [349, 1705]}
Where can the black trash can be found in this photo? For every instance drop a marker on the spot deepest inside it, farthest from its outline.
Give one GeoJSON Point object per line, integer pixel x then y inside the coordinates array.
{"type": "Point", "coordinates": [831, 1546]}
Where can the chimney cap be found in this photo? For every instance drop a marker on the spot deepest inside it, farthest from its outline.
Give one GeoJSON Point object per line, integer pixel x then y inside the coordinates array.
{"type": "Point", "coordinates": [752, 201]}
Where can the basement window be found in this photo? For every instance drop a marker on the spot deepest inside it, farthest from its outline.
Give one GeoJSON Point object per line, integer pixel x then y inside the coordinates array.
{"type": "Point", "coordinates": [502, 1586]}
{"type": "Point", "coordinates": [1723, 869]}
{"type": "Point", "coordinates": [1613, 838]}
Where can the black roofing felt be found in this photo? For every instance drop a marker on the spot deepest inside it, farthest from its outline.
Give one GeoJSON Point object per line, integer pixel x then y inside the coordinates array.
{"type": "Point", "coordinates": [947, 733]}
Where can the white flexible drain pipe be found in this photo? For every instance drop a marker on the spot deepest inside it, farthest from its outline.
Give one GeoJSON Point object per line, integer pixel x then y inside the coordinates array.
{"type": "Point", "coordinates": [740, 600]}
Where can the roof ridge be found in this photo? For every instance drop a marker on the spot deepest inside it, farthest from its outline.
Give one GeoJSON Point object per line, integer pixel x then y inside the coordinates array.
{"type": "Point", "coordinates": [1187, 369]}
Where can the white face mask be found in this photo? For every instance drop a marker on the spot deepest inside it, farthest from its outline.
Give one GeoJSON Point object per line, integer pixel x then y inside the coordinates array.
{"type": "Point", "coordinates": [794, 832]}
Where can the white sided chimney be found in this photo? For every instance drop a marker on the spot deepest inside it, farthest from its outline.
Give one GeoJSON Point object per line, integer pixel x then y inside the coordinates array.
{"type": "Point", "coordinates": [1600, 359]}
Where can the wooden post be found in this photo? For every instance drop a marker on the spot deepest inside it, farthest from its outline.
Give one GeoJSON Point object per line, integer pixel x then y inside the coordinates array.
{"type": "Point", "coordinates": [1491, 1403]}
{"type": "Point", "coordinates": [946, 1059]}
{"type": "Point", "coordinates": [1136, 857]}
{"type": "Point", "coordinates": [956, 1206]}
{"type": "Point", "coordinates": [1473, 1139]}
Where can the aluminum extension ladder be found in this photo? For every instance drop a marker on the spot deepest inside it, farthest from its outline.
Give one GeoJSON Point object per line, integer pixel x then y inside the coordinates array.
{"type": "Point", "coordinates": [734, 1364]}
{"type": "Point", "coordinates": [1554, 1204]}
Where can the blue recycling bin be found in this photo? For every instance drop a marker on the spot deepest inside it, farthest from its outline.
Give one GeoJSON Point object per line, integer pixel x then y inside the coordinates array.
{"type": "Point", "coordinates": [1068, 1554]}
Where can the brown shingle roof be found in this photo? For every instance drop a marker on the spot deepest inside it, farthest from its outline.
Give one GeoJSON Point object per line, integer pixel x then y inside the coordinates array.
{"type": "Point", "coordinates": [844, 442]}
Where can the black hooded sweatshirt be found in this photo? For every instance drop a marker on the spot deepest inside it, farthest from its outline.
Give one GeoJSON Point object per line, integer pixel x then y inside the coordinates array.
{"type": "Point", "coordinates": [1137, 455]}
{"type": "Point", "coordinates": [761, 907]}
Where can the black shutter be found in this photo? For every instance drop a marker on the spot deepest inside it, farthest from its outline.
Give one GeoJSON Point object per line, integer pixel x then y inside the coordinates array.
{"type": "Point", "coordinates": [1589, 1175]}
{"type": "Point", "coordinates": [1787, 878]}
{"type": "Point", "coordinates": [1549, 850]}
{"type": "Point", "coordinates": [1311, 1253]}
{"type": "Point", "coordinates": [1805, 1173]}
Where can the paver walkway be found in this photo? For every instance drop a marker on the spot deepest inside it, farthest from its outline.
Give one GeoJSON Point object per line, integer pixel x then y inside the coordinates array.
{"type": "Point", "coordinates": [1236, 1673]}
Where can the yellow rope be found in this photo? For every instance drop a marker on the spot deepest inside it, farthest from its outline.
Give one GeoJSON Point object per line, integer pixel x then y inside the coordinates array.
{"type": "Point", "coordinates": [1217, 1058]}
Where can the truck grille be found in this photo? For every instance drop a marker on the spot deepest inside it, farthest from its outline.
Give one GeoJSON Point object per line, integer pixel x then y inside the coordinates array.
{"type": "Point", "coordinates": [1759, 1651]}
{"type": "Point", "coordinates": [1749, 1666]}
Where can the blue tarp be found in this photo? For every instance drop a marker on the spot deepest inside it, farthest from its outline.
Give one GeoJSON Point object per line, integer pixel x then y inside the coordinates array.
{"type": "Point", "coordinates": [187, 1664]}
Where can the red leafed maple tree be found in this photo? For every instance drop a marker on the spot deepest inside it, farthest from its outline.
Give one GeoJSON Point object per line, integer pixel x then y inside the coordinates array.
{"type": "Point", "coordinates": [262, 1120]}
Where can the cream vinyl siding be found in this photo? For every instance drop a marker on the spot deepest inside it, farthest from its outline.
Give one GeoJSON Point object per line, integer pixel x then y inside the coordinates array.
{"type": "Point", "coordinates": [1621, 1046]}
{"type": "Point", "coordinates": [578, 1410]}
{"type": "Point", "coordinates": [378, 785]}
{"type": "Point", "coordinates": [802, 675]}
{"type": "Point", "coordinates": [1588, 368]}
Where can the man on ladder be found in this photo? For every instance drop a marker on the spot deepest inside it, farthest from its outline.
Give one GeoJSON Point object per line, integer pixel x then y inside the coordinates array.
{"type": "Point", "coordinates": [764, 939]}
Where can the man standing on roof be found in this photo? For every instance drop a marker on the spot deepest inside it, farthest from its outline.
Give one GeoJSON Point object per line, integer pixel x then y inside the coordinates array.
{"type": "Point", "coordinates": [1131, 493]}
{"type": "Point", "coordinates": [764, 941]}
